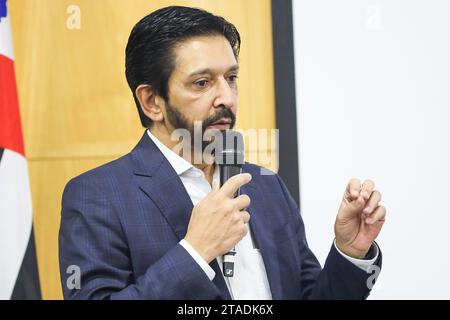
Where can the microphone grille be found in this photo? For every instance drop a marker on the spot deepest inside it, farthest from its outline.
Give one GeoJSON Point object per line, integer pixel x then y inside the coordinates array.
{"type": "Point", "coordinates": [230, 148]}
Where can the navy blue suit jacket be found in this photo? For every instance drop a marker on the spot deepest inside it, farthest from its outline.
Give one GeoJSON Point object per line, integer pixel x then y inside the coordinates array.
{"type": "Point", "coordinates": [121, 225]}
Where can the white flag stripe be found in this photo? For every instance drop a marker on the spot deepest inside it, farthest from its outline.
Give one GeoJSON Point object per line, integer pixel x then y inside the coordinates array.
{"type": "Point", "coordinates": [6, 47]}
{"type": "Point", "coordinates": [15, 218]}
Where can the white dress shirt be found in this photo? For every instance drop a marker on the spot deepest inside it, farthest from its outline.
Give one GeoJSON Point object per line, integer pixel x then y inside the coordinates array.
{"type": "Point", "coordinates": [250, 277]}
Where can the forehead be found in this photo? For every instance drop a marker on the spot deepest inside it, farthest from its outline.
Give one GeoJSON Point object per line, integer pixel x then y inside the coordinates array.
{"type": "Point", "coordinates": [203, 52]}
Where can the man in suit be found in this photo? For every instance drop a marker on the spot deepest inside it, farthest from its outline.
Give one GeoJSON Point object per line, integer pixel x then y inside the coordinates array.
{"type": "Point", "coordinates": [154, 224]}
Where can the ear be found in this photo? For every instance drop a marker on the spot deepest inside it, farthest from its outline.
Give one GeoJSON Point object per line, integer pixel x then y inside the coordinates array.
{"type": "Point", "coordinates": [151, 103]}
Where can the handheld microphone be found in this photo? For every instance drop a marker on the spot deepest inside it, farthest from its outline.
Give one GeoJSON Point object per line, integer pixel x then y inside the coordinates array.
{"type": "Point", "coordinates": [230, 158]}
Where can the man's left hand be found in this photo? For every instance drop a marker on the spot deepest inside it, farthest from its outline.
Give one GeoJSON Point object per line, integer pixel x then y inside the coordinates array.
{"type": "Point", "coordinates": [360, 218]}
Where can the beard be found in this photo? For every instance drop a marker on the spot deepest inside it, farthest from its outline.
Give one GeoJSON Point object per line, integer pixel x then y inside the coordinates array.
{"type": "Point", "coordinates": [179, 121]}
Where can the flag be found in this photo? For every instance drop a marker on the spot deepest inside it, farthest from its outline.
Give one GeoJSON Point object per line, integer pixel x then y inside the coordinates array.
{"type": "Point", "coordinates": [18, 268]}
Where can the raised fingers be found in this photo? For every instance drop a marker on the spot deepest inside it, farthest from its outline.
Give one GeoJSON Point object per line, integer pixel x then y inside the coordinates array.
{"type": "Point", "coordinates": [367, 188]}
{"type": "Point", "coordinates": [353, 188]}
{"type": "Point", "coordinates": [373, 202]}
{"type": "Point", "coordinates": [379, 215]}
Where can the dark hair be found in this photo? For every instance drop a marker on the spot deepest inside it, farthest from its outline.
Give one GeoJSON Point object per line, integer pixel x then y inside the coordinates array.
{"type": "Point", "coordinates": [149, 53]}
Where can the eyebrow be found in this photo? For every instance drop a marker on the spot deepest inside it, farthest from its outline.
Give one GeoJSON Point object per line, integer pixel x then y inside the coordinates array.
{"type": "Point", "coordinates": [208, 70]}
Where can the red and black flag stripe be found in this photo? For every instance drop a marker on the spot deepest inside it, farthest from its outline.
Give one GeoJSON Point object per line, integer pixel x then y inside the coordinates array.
{"type": "Point", "coordinates": [19, 274]}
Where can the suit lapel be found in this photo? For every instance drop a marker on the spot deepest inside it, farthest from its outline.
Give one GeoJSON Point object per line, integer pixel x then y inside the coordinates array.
{"type": "Point", "coordinates": [219, 281]}
{"type": "Point", "coordinates": [159, 181]}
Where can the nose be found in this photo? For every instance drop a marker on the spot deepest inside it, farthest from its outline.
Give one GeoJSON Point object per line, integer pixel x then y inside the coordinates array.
{"type": "Point", "coordinates": [225, 94]}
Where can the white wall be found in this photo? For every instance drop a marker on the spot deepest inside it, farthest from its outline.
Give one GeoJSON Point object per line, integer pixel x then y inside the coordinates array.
{"type": "Point", "coordinates": [373, 101]}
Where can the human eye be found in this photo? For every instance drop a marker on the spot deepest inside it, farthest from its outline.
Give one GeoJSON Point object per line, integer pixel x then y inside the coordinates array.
{"type": "Point", "coordinates": [232, 78]}
{"type": "Point", "coordinates": [203, 83]}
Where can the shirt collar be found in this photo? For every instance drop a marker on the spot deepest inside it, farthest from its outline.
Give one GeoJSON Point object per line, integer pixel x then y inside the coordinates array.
{"type": "Point", "coordinates": [178, 163]}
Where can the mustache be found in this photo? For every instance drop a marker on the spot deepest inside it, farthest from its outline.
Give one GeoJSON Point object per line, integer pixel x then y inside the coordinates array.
{"type": "Point", "coordinates": [221, 114]}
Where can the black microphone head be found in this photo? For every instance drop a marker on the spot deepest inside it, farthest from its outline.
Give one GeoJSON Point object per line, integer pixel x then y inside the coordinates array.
{"type": "Point", "coordinates": [230, 149]}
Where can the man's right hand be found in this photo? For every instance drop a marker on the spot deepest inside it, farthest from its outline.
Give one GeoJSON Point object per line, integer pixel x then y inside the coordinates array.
{"type": "Point", "coordinates": [218, 221]}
